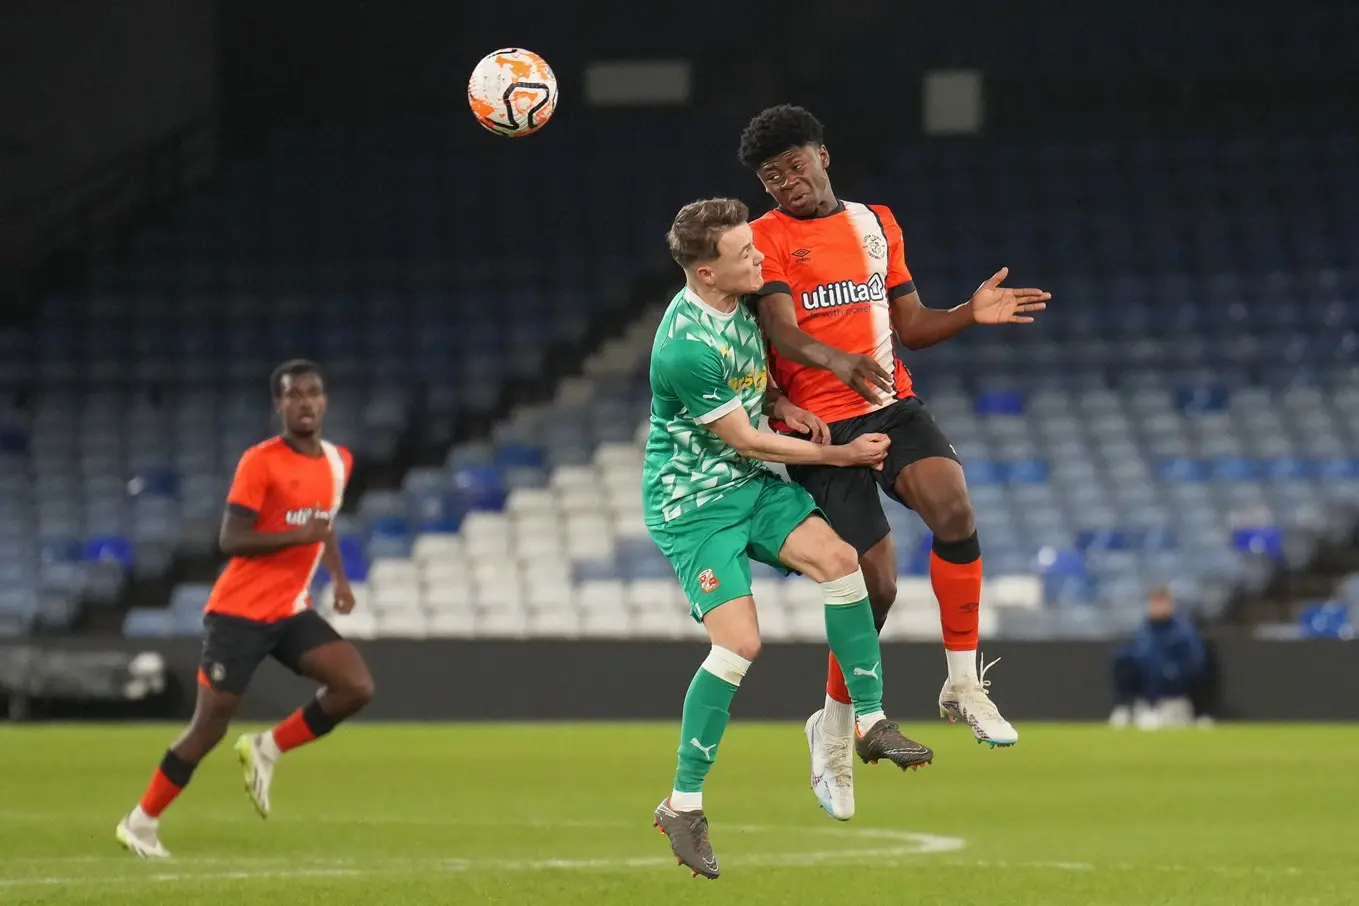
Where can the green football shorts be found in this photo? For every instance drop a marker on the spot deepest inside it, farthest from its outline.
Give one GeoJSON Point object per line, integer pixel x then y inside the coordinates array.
{"type": "Point", "coordinates": [710, 548]}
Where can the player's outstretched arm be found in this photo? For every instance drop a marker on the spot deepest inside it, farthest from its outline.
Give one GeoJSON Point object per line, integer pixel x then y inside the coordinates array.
{"type": "Point", "coordinates": [919, 327]}
{"type": "Point", "coordinates": [778, 320]}
{"type": "Point", "coordinates": [238, 537]}
{"type": "Point", "coordinates": [736, 431]}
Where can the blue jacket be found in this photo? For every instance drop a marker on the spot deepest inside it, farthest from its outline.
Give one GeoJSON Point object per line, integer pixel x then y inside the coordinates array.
{"type": "Point", "coordinates": [1174, 644]}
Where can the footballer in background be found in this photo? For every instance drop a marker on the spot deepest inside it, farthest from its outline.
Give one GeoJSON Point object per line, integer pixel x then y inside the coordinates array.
{"type": "Point", "coordinates": [277, 529]}
{"type": "Point", "coordinates": [836, 290]}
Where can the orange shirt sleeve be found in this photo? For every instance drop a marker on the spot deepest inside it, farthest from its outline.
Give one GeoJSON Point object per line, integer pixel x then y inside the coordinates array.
{"type": "Point", "coordinates": [899, 282]}
{"type": "Point", "coordinates": [770, 243]}
{"type": "Point", "coordinates": [251, 482]}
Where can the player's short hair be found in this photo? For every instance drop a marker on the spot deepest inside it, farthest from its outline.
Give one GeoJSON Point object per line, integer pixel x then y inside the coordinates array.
{"type": "Point", "coordinates": [775, 130]}
{"type": "Point", "coordinates": [291, 368]}
{"type": "Point", "coordinates": [699, 225]}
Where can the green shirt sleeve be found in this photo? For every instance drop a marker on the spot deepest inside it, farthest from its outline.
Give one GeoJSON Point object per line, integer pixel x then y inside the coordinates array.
{"type": "Point", "coordinates": [693, 372]}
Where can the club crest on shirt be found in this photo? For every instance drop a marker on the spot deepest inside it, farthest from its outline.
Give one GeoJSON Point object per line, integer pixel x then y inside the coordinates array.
{"type": "Point", "coordinates": [875, 247]}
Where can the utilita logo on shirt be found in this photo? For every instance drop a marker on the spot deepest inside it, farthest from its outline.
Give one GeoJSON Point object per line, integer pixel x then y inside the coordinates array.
{"type": "Point", "coordinates": [845, 292]}
{"type": "Point", "coordinates": [302, 517]}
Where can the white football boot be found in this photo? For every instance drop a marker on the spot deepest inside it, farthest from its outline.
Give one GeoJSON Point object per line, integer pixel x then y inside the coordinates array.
{"type": "Point", "coordinates": [137, 834]}
{"type": "Point", "coordinates": [832, 770]}
{"type": "Point", "coordinates": [259, 770]}
{"type": "Point", "coordinates": [971, 703]}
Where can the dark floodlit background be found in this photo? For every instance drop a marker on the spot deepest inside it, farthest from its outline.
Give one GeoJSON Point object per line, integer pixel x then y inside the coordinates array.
{"type": "Point", "coordinates": [191, 192]}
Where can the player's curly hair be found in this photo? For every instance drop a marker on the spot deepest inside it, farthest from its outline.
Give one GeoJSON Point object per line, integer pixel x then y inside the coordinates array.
{"type": "Point", "coordinates": [775, 130]}
{"type": "Point", "coordinates": [699, 226]}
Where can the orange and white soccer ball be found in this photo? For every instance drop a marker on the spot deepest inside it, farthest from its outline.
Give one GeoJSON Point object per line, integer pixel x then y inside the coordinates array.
{"type": "Point", "coordinates": [512, 92]}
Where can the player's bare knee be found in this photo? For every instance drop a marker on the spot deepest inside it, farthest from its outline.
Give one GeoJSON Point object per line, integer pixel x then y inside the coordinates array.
{"type": "Point", "coordinates": [360, 691]}
{"type": "Point", "coordinates": [836, 561]}
{"type": "Point", "coordinates": [953, 519]}
{"type": "Point", "coordinates": [747, 647]}
{"type": "Point", "coordinates": [349, 695]}
{"type": "Point", "coordinates": [882, 591]}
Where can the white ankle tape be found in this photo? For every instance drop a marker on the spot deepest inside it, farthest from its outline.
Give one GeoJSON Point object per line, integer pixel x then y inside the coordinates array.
{"type": "Point", "coordinates": [726, 665]}
{"type": "Point", "coordinates": [849, 589]}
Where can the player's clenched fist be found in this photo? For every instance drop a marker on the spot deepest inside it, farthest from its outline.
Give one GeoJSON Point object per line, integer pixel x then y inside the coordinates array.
{"type": "Point", "coordinates": [868, 450]}
{"type": "Point", "coordinates": [316, 529]}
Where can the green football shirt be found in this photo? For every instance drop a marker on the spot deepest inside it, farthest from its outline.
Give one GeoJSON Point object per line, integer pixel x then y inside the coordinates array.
{"type": "Point", "coordinates": [704, 364]}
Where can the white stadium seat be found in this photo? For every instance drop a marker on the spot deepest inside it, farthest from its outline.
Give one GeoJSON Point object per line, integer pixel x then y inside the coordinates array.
{"type": "Point", "coordinates": [401, 624]}
{"type": "Point", "coordinates": [549, 597]}
{"type": "Point", "coordinates": [655, 623]}
{"type": "Point", "coordinates": [392, 572]}
{"type": "Point", "coordinates": [774, 623]}
{"type": "Point", "coordinates": [915, 593]}
{"type": "Point", "coordinates": [501, 595]}
{"type": "Point", "coordinates": [803, 593]}
{"type": "Point", "coordinates": [620, 456]}
{"type": "Point", "coordinates": [482, 531]}
{"type": "Point", "coordinates": [605, 623]}
{"type": "Point", "coordinates": [447, 597]}
{"type": "Point", "coordinates": [574, 477]}
{"type": "Point", "coordinates": [807, 624]}
{"type": "Point", "coordinates": [531, 548]}
{"type": "Point", "coordinates": [1013, 591]}
{"type": "Point", "coordinates": [582, 499]}
{"type": "Point", "coordinates": [361, 624]}
{"type": "Point", "coordinates": [524, 502]}
{"type": "Point", "coordinates": [768, 593]}
{"type": "Point", "coordinates": [461, 624]}
{"type": "Point", "coordinates": [654, 594]}
{"type": "Point", "coordinates": [436, 547]}
{"type": "Point", "coordinates": [495, 571]}
{"type": "Point", "coordinates": [441, 571]}
{"type": "Point", "coordinates": [499, 622]}
{"type": "Point", "coordinates": [562, 624]}
{"type": "Point", "coordinates": [396, 598]}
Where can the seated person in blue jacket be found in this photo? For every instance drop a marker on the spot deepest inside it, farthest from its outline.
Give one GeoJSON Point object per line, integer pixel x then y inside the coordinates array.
{"type": "Point", "coordinates": [1154, 672]}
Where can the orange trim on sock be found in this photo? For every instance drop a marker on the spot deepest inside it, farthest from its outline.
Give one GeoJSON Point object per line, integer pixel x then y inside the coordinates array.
{"type": "Point", "coordinates": [957, 586]}
{"type": "Point", "coordinates": [292, 732]}
{"type": "Point", "coordinates": [160, 792]}
{"type": "Point", "coordinates": [835, 682]}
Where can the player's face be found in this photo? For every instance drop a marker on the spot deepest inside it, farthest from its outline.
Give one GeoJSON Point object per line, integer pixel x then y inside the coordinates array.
{"type": "Point", "coordinates": [302, 404]}
{"type": "Point", "coordinates": [737, 268]}
{"type": "Point", "coordinates": [797, 180]}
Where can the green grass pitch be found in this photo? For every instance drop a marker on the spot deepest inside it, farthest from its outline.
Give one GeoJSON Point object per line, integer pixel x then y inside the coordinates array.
{"type": "Point", "coordinates": [561, 814]}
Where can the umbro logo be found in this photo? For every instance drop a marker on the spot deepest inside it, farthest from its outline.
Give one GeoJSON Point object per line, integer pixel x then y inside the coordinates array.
{"type": "Point", "coordinates": [802, 256]}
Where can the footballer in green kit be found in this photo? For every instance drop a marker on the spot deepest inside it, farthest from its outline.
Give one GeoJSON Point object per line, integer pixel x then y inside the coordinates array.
{"type": "Point", "coordinates": [711, 505]}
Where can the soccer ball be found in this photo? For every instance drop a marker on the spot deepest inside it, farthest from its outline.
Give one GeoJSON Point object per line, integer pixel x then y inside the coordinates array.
{"type": "Point", "coordinates": [512, 92]}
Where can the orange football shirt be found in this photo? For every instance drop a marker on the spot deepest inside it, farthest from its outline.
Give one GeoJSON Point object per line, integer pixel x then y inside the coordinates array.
{"type": "Point", "coordinates": [283, 488]}
{"type": "Point", "coordinates": [843, 270]}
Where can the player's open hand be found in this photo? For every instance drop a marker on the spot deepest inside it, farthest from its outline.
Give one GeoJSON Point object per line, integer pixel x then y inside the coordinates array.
{"type": "Point", "coordinates": [344, 598]}
{"type": "Point", "coordinates": [868, 450]}
{"type": "Point", "coordinates": [865, 375]}
{"type": "Point", "coordinates": [996, 304]}
{"type": "Point", "coordinates": [801, 421]}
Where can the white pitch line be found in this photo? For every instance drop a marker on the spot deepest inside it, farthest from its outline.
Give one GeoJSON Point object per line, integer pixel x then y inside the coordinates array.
{"type": "Point", "coordinates": [909, 844]}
